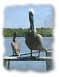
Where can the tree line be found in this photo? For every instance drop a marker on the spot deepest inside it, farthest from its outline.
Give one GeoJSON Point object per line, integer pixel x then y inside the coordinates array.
{"type": "Point", "coordinates": [45, 32]}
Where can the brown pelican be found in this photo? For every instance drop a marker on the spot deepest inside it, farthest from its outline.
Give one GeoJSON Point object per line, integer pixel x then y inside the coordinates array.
{"type": "Point", "coordinates": [33, 40]}
{"type": "Point", "coordinates": [15, 46]}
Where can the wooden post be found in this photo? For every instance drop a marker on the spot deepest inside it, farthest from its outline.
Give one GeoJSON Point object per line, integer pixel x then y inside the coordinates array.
{"type": "Point", "coordinates": [4, 63]}
{"type": "Point", "coordinates": [7, 64]}
{"type": "Point", "coordinates": [49, 62]}
{"type": "Point", "coordinates": [49, 65]}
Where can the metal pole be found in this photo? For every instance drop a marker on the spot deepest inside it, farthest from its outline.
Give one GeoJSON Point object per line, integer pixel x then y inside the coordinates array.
{"type": "Point", "coordinates": [31, 52]}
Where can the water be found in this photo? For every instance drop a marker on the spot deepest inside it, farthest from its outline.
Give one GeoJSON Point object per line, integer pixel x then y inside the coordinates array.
{"type": "Point", "coordinates": [25, 65]}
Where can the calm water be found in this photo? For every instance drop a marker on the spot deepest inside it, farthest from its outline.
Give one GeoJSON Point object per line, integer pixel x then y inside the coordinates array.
{"type": "Point", "coordinates": [25, 65]}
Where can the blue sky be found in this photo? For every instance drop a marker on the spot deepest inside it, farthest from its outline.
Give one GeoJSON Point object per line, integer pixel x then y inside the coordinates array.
{"type": "Point", "coordinates": [18, 16]}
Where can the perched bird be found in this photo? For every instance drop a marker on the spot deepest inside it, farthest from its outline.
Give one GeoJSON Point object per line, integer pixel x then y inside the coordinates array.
{"type": "Point", "coordinates": [33, 40]}
{"type": "Point", "coordinates": [15, 45]}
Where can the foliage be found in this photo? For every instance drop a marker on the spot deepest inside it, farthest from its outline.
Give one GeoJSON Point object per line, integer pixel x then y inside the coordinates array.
{"type": "Point", "coordinates": [8, 32]}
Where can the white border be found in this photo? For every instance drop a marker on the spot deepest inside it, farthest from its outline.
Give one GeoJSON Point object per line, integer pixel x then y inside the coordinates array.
{"type": "Point", "coordinates": [55, 3]}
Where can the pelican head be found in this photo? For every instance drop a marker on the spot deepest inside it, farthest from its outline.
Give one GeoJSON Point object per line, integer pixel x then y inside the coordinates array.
{"type": "Point", "coordinates": [31, 13]}
{"type": "Point", "coordinates": [14, 36]}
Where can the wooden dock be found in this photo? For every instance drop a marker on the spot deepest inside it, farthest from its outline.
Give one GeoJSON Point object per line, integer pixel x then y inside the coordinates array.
{"type": "Point", "coordinates": [46, 58]}
{"type": "Point", "coordinates": [27, 58]}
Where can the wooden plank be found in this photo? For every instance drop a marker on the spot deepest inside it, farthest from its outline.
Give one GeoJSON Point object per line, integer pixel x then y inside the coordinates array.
{"type": "Point", "coordinates": [28, 58]}
{"type": "Point", "coordinates": [33, 52]}
{"type": "Point", "coordinates": [27, 53]}
{"type": "Point", "coordinates": [48, 52]}
{"type": "Point", "coordinates": [19, 58]}
{"type": "Point", "coordinates": [48, 60]}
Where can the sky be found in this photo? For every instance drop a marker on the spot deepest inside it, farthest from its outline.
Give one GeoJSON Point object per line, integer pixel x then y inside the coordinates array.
{"type": "Point", "coordinates": [18, 16]}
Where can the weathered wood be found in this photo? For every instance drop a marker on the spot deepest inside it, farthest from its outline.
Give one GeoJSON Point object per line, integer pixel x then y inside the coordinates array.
{"type": "Point", "coordinates": [47, 58]}
{"type": "Point", "coordinates": [17, 58]}
{"type": "Point", "coordinates": [6, 64]}
{"type": "Point", "coordinates": [49, 63]}
{"type": "Point", "coordinates": [28, 53]}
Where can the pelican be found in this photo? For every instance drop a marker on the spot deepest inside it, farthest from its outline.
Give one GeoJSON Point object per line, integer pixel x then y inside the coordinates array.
{"type": "Point", "coordinates": [15, 46]}
{"type": "Point", "coordinates": [33, 40]}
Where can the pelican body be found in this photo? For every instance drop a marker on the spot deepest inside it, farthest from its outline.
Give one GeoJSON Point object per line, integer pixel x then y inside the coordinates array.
{"type": "Point", "coordinates": [33, 40]}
